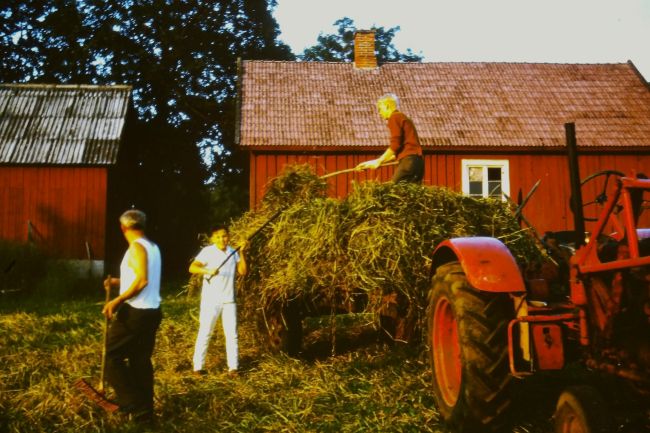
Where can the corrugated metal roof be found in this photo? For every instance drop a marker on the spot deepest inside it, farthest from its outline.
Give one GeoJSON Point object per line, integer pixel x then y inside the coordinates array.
{"type": "Point", "coordinates": [324, 104]}
{"type": "Point", "coordinates": [61, 124]}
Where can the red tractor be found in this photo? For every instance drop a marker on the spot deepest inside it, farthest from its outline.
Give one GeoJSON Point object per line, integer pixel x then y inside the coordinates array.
{"type": "Point", "coordinates": [491, 323]}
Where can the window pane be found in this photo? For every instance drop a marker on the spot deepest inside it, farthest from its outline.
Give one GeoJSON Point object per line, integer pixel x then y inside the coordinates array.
{"type": "Point", "coordinates": [494, 189]}
{"type": "Point", "coordinates": [485, 178]}
{"type": "Point", "coordinates": [476, 189]}
{"type": "Point", "coordinates": [475, 174]}
{"type": "Point", "coordinates": [494, 173]}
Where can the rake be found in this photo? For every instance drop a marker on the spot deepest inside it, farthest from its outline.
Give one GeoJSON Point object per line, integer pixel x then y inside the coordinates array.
{"type": "Point", "coordinates": [97, 395]}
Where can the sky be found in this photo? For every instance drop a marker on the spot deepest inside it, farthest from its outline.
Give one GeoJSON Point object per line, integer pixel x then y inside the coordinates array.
{"type": "Point", "coordinates": [545, 31]}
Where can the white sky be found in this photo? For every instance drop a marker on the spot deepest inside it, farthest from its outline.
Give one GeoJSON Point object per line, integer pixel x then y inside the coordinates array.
{"type": "Point", "coordinates": [553, 31]}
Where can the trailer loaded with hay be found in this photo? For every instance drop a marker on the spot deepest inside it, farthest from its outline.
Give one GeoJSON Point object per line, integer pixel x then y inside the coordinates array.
{"type": "Point", "coordinates": [498, 302]}
{"type": "Point", "coordinates": [366, 253]}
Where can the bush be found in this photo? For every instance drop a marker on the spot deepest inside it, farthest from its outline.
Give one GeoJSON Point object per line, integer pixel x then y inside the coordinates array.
{"type": "Point", "coordinates": [26, 271]}
{"type": "Point", "coordinates": [21, 267]}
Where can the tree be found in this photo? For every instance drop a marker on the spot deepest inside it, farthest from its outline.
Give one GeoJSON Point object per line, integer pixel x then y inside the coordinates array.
{"type": "Point", "coordinates": [339, 47]}
{"type": "Point", "coordinates": [181, 59]}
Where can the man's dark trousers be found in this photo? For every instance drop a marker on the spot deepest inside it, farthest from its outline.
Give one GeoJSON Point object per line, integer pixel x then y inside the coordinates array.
{"type": "Point", "coordinates": [131, 339]}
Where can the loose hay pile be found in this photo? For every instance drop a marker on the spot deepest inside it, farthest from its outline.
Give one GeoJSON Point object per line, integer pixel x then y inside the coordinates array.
{"type": "Point", "coordinates": [374, 242]}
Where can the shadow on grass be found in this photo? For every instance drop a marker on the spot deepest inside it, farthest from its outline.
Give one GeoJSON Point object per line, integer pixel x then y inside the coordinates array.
{"type": "Point", "coordinates": [323, 343]}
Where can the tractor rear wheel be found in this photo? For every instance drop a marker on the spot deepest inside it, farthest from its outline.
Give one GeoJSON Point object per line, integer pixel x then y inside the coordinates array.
{"type": "Point", "coordinates": [469, 351]}
{"type": "Point", "coordinates": [581, 409]}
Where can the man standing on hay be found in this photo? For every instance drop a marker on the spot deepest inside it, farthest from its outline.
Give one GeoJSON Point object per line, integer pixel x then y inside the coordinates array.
{"type": "Point", "coordinates": [218, 263]}
{"type": "Point", "coordinates": [404, 143]}
{"type": "Point", "coordinates": [132, 334]}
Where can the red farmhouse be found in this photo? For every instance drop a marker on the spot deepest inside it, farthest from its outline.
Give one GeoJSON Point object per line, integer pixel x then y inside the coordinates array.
{"type": "Point", "coordinates": [481, 124]}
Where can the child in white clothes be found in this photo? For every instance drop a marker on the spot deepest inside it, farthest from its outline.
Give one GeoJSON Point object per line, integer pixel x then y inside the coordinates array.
{"type": "Point", "coordinates": [218, 295]}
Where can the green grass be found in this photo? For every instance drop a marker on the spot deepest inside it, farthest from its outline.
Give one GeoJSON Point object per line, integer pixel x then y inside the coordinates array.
{"type": "Point", "coordinates": [47, 344]}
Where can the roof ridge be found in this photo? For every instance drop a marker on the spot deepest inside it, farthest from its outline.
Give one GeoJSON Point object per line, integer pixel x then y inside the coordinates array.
{"type": "Point", "coordinates": [457, 62]}
{"type": "Point", "coordinates": [68, 86]}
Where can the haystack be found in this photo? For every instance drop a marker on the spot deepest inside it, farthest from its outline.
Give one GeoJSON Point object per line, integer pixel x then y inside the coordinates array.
{"type": "Point", "coordinates": [374, 242]}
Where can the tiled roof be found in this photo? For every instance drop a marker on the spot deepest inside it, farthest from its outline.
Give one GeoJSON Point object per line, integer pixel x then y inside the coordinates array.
{"type": "Point", "coordinates": [61, 124]}
{"type": "Point", "coordinates": [298, 104]}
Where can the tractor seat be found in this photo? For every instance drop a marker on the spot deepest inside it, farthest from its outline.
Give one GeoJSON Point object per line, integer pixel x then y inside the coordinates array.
{"type": "Point", "coordinates": [563, 237]}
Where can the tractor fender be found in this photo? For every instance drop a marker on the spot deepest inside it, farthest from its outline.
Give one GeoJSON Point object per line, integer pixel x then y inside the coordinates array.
{"type": "Point", "coordinates": [488, 264]}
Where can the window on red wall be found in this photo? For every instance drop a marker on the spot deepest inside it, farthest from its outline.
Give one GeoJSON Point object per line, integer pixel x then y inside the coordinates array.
{"type": "Point", "coordinates": [486, 178]}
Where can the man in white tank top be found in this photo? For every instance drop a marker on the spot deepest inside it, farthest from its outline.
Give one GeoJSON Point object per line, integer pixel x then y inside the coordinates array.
{"type": "Point", "coordinates": [136, 316]}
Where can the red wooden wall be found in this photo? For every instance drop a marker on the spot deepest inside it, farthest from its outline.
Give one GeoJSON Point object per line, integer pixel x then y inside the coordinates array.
{"type": "Point", "coordinates": [65, 206]}
{"type": "Point", "coordinates": [547, 209]}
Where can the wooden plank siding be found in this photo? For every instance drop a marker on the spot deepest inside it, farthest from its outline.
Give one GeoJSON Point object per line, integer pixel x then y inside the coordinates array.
{"type": "Point", "coordinates": [547, 210]}
{"type": "Point", "coordinates": [65, 205]}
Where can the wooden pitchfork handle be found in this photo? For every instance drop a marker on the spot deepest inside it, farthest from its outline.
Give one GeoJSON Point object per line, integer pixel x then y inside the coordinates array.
{"type": "Point", "coordinates": [248, 239]}
{"type": "Point", "coordinates": [348, 170]}
{"type": "Point", "coordinates": [107, 289]}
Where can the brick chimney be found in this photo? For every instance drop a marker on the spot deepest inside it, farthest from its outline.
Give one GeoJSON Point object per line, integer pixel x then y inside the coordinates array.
{"type": "Point", "coordinates": [364, 49]}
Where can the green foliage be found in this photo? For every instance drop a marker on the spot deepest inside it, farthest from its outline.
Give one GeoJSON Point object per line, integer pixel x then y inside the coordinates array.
{"type": "Point", "coordinates": [21, 266]}
{"type": "Point", "coordinates": [27, 273]}
{"type": "Point", "coordinates": [228, 199]}
{"type": "Point", "coordinates": [39, 40]}
{"type": "Point", "coordinates": [339, 47]}
{"type": "Point", "coordinates": [181, 59]}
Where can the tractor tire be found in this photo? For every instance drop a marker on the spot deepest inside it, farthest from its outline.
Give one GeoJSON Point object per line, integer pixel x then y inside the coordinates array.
{"type": "Point", "coordinates": [469, 351]}
{"type": "Point", "coordinates": [281, 330]}
{"type": "Point", "coordinates": [582, 409]}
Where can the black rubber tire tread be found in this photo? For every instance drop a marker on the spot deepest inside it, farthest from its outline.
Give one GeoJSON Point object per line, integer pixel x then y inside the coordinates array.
{"type": "Point", "coordinates": [586, 405]}
{"type": "Point", "coordinates": [482, 320]}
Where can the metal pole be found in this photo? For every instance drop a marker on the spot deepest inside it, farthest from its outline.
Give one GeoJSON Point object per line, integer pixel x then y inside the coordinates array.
{"type": "Point", "coordinates": [576, 191]}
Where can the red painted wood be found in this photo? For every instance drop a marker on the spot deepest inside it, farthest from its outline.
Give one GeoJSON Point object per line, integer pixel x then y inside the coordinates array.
{"type": "Point", "coordinates": [547, 209]}
{"type": "Point", "coordinates": [261, 177]}
{"type": "Point", "coordinates": [66, 207]}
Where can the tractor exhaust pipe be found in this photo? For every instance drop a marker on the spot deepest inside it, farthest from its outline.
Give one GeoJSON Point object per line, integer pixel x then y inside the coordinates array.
{"type": "Point", "coordinates": [576, 192]}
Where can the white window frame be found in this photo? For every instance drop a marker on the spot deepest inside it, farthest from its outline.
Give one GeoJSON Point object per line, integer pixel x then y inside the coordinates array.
{"type": "Point", "coordinates": [503, 164]}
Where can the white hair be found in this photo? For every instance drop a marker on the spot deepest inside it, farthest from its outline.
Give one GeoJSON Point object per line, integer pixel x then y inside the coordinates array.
{"type": "Point", "coordinates": [133, 219]}
{"type": "Point", "coordinates": [389, 96]}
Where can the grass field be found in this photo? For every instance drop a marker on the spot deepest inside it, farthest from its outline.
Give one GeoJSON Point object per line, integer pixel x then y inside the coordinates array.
{"type": "Point", "coordinates": [359, 386]}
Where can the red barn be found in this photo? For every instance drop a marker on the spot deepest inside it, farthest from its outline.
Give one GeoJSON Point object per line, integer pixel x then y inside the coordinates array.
{"type": "Point", "coordinates": [482, 125]}
{"type": "Point", "coordinates": [57, 145]}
